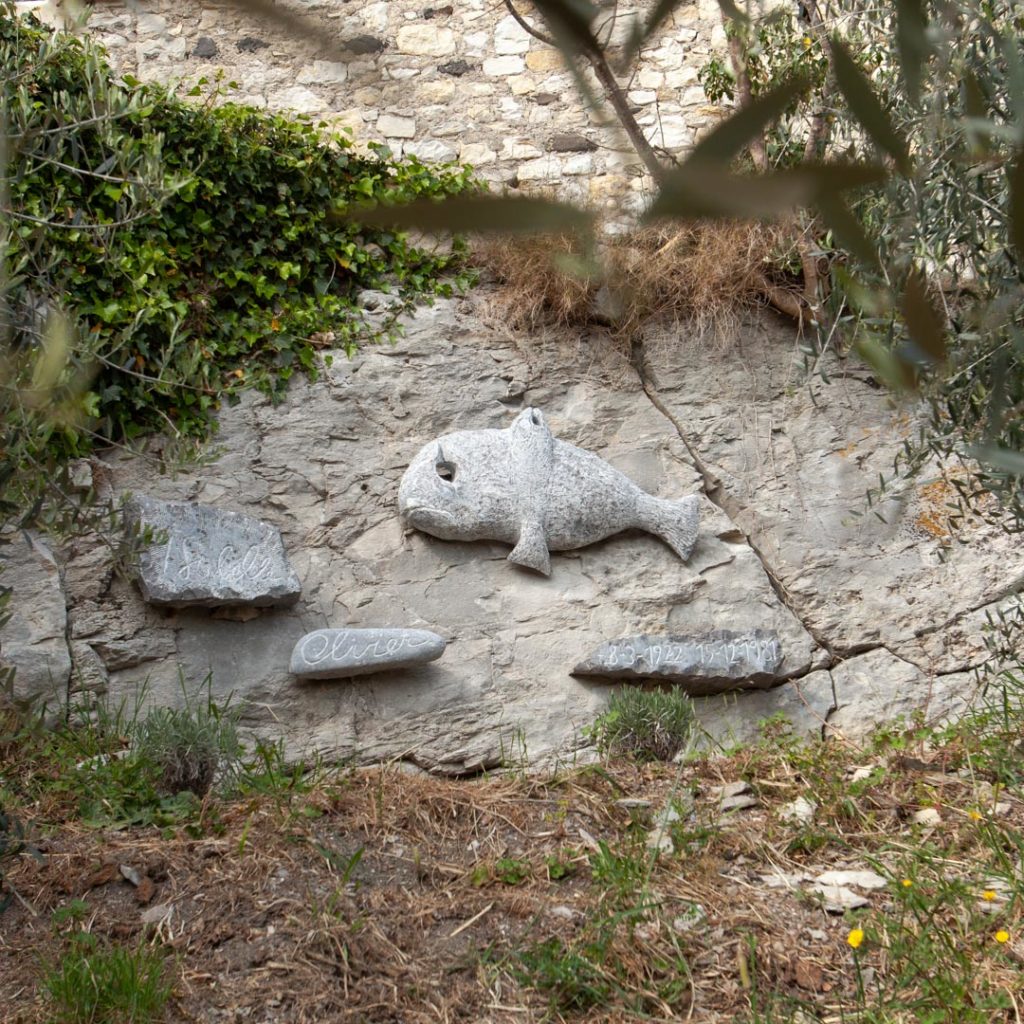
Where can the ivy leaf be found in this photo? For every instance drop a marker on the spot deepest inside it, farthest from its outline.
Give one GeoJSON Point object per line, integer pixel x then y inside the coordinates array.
{"type": "Point", "coordinates": [867, 108]}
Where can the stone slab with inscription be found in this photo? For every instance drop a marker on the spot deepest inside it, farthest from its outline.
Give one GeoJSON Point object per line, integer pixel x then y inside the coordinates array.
{"type": "Point", "coordinates": [208, 557]}
{"type": "Point", "coordinates": [701, 663]}
{"type": "Point", "coordinates": [338, 653]}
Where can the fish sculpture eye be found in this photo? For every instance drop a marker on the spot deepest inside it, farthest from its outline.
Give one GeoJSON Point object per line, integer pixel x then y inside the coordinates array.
{"type": "Point", "coordinates": [445, 469]}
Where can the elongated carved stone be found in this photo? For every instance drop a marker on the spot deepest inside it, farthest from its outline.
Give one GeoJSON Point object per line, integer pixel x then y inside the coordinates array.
{"type": "Point", "coordinates": [702, 663]}
{"type": "Point", "coordinates": [211, 557]}
{"type": "Point", "coordinates": [337, 653]}
{"type": "Point", "coordinates": [525, 487]}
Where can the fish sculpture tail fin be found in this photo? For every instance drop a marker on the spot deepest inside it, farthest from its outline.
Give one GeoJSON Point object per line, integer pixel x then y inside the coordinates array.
{"type": "Point", "coordinates": [675, 522]}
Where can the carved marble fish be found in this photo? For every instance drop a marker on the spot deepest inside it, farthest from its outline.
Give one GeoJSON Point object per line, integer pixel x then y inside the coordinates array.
{"type": "Point", "coordinates": [524, 487]}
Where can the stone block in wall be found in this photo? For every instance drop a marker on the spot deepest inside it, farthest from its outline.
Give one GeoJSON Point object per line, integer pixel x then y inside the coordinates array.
{"type": "Point", "coordinates": [362, 45]}
{"type": "Point", "coordinates": [205, 557]}
{"type": "Point", "coordinates": [436, 92]}
{"type": "Point", "coordinates": [510, 37]}
{"type": "Point", "coordinates": [501, 66]}
{"type": "Point", "coordinates": [673, 132]}
{"type": "Point", "coordinates": [521, 85]}
{"type": "Point", "coordinates": [547, 59]}
{"type": "Point", "coordinates": [477, 44]}
{"type": "Point", "coordinates": [300, 99]}
{"type": "Point", "coordinates": [323, 72]}
{"type": "Point", "coordinates": [374, 18]}
{"type": "Point", "coordinates": [680, 78]}
{"type": "Point", "coordinates": [552, 167]}
{"type": "Point", "coordinates": [514, 149]}
{"type": "Point", "coordinates": [570, 142]}
{"type": "Point", "coordinates": [150, 24]}
{"type": "Point", "coordinates": [642, 97]}
{"type": "Point", "coordinates": [455, 68]}
{"type": "Point", "coordinates": [394, 127]}
{"type": "Point", "coordinates": [426, 40]}
{"type": "Point", "coordinates": [430, 149]}
{"type": "Point", "coordinates": [477, 154]}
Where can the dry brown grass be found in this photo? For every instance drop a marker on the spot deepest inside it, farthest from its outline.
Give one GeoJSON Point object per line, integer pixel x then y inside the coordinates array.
{"type": "Point", "coordinates": [269, 914]}
{"type": "Point", "coordinates": [701, 276]}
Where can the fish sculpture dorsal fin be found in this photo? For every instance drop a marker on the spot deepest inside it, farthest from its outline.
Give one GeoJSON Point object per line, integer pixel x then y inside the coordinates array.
{"type": "Point", "coordinates": [531, 456]}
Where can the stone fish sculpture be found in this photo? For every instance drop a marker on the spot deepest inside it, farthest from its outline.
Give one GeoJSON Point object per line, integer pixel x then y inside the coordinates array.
{"type": "Point", "coordinates": [524, 487]}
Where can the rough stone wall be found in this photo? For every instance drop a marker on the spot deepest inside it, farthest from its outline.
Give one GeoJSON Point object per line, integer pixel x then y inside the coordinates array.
{"type": "Point", "coordinates": [459, 82]}
{"type": "Point", "coordinates": [875, 619]}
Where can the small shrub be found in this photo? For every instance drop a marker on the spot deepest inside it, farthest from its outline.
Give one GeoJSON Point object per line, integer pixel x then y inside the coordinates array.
{"type": "Point", "coordinates": [113, 986]}
{"type": "Point", "coordinates": [649, 725]}
{"type": "Point", "coordinates": [189, 747]}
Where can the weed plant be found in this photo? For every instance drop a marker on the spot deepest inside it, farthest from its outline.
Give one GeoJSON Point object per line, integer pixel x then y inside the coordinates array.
{"type": "Point", "coordinates": [93, 984]}
{"type": "Point", "coordinates": [648, 725]}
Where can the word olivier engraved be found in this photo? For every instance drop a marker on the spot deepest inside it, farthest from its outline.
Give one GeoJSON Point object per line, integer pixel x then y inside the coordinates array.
{"type": "Point", "coordinates": [524, 487]}
{"type": "Point", "coordinates": [209, 557]}
{"type": "Point", "coordinates": [702, 663]}
{"type": "Point", "coordinates": [338, 653]}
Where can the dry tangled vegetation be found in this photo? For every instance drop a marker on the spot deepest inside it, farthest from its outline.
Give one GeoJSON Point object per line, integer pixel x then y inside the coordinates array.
{"type": "Point", "coordinates": [375, 895]}
{"type": "Point", "coordinates": [703, 276]}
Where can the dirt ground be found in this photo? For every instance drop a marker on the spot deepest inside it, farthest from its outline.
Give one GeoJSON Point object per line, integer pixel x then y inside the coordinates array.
{"type": "Point", "coordinates": [382, 896]}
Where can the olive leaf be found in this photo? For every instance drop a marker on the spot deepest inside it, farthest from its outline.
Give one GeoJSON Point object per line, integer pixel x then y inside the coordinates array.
{"type": "Point", "coordinates": [702, 189]}
{"type": "Point", "coordinates": [479, 214]}
{"type": "Point", "coordinates": [925, 323]}
{"type": "Point", "coordinates": [867, 108]}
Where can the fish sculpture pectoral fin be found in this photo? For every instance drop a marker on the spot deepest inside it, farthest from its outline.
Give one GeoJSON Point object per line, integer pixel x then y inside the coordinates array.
{"type": "Point", "coordinates": [675, 522]}
{"type": "Point", "coordinates": [532, 549]}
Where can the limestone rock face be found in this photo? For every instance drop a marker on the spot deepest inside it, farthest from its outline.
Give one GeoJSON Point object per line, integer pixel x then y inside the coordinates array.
{"type": "Point", "coordinates": [206, 557]}
{"type": "Point", "coordinates": [873, 619]}
{"type": "Point", "coordinates": [715, 661]}
{"type": "Point", "coordinates": [34, 640]}
{"type": "Point", "coordinates": [341, 653]}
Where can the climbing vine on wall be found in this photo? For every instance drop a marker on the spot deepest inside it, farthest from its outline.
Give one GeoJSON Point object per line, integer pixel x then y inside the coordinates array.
{"type": "Point", "coordinates": [196, 245]}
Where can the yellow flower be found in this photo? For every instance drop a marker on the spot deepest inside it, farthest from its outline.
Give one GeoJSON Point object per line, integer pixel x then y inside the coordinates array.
{"type": "Point", "coordinates": [989, 895]}
{"type": "Point", "coordinates": [856, 937]}
{"type": "Point", "coordinates": [807, 42]}
{"type": "Point", "coordinates": [907, 883]}
{"type": "Point", "coordinates": [1002, 936]}
{"type": "Point", "coordinates": [974, 815]}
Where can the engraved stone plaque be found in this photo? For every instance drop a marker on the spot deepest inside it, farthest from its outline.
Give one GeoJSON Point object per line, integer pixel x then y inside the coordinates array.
{"type": "Point", "coordinates": [337, 653]}
{"type": "Point", "coordinates": [702, 663]}
{"type": "Point", "coordinates": [209, 557]}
